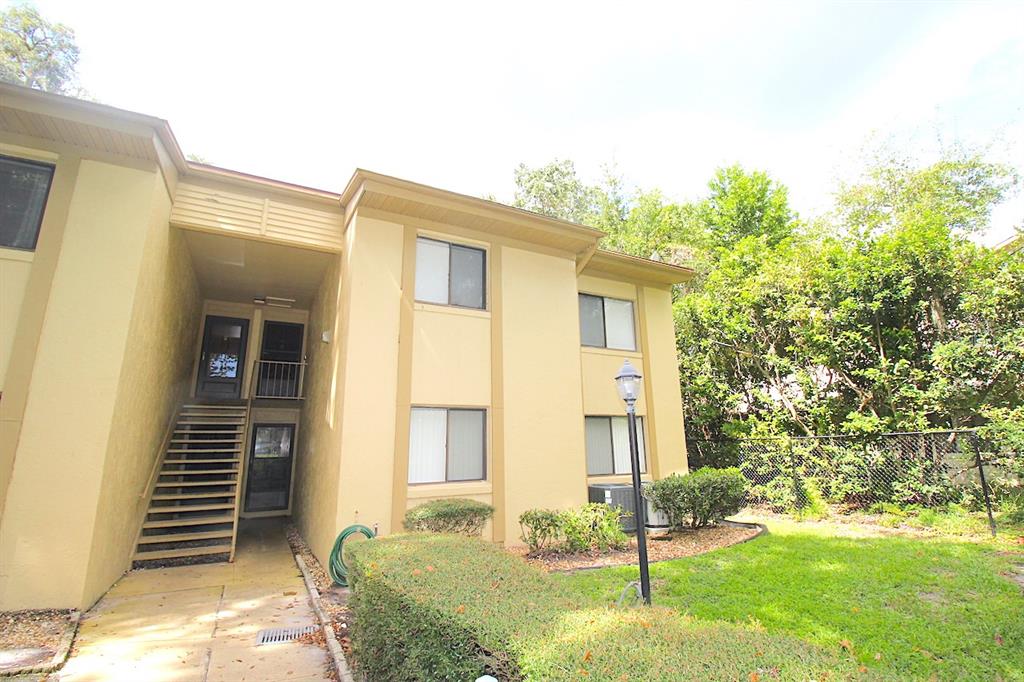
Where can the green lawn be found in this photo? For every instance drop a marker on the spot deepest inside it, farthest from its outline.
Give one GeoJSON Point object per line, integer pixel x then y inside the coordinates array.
{"type": "Point", "coordinates": [907, 608]}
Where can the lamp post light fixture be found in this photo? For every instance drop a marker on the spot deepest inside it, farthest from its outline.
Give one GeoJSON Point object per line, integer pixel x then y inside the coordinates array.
{"type": "Point", "coordinates": [628, 383]}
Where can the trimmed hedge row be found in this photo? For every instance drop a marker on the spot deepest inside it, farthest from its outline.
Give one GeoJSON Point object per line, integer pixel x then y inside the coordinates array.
{"type": "Point", "coordinates": [447, 607]}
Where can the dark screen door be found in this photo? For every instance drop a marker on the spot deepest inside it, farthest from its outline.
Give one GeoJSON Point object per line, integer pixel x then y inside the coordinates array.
{"type": "Point", "coordinates": [222, 362]}
{"type": "Point", "coordinates": [270, 468]}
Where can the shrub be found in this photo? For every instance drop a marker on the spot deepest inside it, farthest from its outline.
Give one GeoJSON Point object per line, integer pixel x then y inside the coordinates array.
{"type": "Point", "coordinates": [699, 498]}
{"type": "Point", "coordinates": [593, 526]}
{"type": "Point", "coordinates": [445, 607]}
{"type": "Point", "coordinates": [465, 517]}
{"type": "Point", "coordinates": [540, 528]}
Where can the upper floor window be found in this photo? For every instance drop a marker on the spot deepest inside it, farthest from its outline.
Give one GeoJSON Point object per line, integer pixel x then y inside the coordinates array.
{"type": "Point", "coordinates": [607, 322]}
{"type": "Point", "coordinates": [608, 446]}
{"type": "Point", "coordinates": [23, 189]}
{"type": "Point", "coordinates": [449, 274]}
{"type": "Point", "coordinates": [447, 445]}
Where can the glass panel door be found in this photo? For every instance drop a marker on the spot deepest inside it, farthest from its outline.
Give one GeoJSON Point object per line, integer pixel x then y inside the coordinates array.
{"type": "Point", "coordinates": [222, 362]}
{"type": "Point", "coordinates": [269, 479]}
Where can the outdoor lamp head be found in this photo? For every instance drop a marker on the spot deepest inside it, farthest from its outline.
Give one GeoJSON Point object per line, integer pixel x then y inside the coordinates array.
{"type": "Point", "coordinates": [628, 383]}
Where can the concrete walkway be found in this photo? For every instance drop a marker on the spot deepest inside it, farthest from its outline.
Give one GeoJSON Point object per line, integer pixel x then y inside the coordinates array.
{"type": "Point", "coordinates": [200, 622]}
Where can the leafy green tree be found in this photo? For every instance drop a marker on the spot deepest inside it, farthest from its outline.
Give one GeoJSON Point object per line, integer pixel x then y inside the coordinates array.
{"type": "Point", "coordinates": [36, 52]}
{"type": "Point", "coordinates": [554, 190]}
{"type": "Point", "coordinates": [742, 204]}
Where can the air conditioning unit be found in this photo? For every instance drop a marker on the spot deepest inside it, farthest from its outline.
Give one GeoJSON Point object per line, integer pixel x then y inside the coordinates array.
{"type": "Point", "coordinates": [615, 495]}
{"type": "Point", "coordinates": [621, 495]}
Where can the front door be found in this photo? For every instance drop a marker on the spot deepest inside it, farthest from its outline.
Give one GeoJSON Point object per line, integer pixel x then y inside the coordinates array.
{"type": "Point", "coordinates": [222, 362]}
{"type": "Point", "coordinates": [268, 483]}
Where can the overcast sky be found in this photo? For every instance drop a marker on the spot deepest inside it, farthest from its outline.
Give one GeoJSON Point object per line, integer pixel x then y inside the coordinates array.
{"type": "Point", "coordinates": [457, 94]}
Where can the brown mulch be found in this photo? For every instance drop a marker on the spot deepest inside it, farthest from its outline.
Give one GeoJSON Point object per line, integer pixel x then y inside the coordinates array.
{"type": "Point", "coordinates": [659, 548]}
{"type": "Point", "coordinates": [41, 629]}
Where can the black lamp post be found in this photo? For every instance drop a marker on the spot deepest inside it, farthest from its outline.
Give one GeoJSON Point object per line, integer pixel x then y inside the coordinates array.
{"type": "Point", "coordinates": [628, 383]}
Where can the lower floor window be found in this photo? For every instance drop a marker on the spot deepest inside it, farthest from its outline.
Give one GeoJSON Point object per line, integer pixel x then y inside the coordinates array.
{"type": "Point", "coordinates": [608, 445]}
{"type": "Point", "coordinates": [447, 444]}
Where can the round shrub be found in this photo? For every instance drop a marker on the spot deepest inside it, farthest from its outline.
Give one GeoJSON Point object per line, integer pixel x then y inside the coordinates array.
{"type": "Point", "coordinates": [461, 516]}
{"type": "Point", "coordinates": [698, 498]}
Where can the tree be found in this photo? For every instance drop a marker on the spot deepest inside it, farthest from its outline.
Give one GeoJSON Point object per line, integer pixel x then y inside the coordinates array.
{"type": "Point", "coordinates": [554, 190]}
{"type": "Point", "coordinates": [887, 318]}
{"type": "Point", "coordinates": [741, 204]}
{"type": "Point", "coordinates": [37, 53]}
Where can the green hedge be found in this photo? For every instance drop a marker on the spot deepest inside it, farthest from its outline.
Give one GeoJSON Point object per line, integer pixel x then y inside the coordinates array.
{"type": "Point", "coordinates": [456, 515]}
{"type": "Point", "coordinates": [447, 607]}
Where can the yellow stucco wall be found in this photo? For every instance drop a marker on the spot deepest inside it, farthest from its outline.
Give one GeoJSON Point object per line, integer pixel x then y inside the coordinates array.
{"type": "Point", "coordinates": [371, 297]}
{"type": "Point", "coordinates": [48, 525]}
{"type": "Point", "coordinates": [15, 267]}
{"type": "Point", "coordinates": [318, 458]}
{"type": "Point", "coordinates": [155, 378]}
{"type": "Point", "coordinates": [543, 408]}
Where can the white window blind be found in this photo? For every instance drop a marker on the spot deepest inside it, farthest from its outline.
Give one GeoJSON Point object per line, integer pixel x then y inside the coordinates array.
{"type": "Point", "coordinates": [431, 271]}
{"type": "Point", "coordinates": [427, 438]}
{"type": "Point", "coordinates": [618, 321]}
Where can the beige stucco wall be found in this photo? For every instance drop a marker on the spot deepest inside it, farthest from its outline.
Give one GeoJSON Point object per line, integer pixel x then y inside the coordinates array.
{"type": "Point", "coordinates": [543, 408]}
{"type": "Point", "coordinates": [154, 381]}
{"type": "Point", "coordinates": [370, 301]}
{"type": "Point", "coordinates": [15, 267]}
{"type": "Point", "coordinates": [48, 525]}
{"type": "Point", "coordinates": [318, 459]}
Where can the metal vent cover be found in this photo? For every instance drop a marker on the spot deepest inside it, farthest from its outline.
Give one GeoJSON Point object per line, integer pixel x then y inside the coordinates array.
{"type": "Point", "coordinates": [279, 635]}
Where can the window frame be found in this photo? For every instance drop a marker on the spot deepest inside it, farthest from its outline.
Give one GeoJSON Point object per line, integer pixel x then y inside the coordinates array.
{"type": "Point", "coordinates": [447, 445]}
{"type": "Point", "coordinates": [604, 322]}
{"type": "Point", "coordinates": [641, 436]}
{"type": "Point", "coordinates": [46, 198]}
{"type": "Point", "coordinates": [483, 282]}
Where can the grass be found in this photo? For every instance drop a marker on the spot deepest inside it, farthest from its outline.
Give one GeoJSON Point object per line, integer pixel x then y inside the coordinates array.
{"type": "Point", "coordinates": [907, 608]}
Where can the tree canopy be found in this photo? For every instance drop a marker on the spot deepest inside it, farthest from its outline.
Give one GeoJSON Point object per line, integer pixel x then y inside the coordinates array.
{"type": "Point", "coordinates": [882, 315]}
{"type": "Point", "coordinates": [36, 52]}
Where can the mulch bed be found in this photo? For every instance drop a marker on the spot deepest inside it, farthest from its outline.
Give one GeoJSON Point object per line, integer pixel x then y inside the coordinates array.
{"type": "Point", "coordinates": [29, 638]}
{"type": "Point", "coordinates": [659, 548]}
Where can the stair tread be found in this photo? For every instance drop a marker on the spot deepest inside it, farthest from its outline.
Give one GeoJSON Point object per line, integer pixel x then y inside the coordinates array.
{"type": "Point", "coordinates": [223, 431]}
{"type": "Point", "coordinates": [182, 552]}
{"type": "Point", "coordinates": [206, 440]}
{"type": "Point", "coordinates": [192, 484]}
{"type": "Point", "coordinates": [191, 521]}
{"type": "Point", "coordinates": [178, 508]}
{"type": "Point", "coordinates": [224, 460]}
{"type": "Point", "coordinates": [184, 537]}
{"type": "Point", "coordinates": [196, 472]}
{"type": "Point", "coordinates": [202, 406]}
{"type": "Point", "coordinates": [229, 451]}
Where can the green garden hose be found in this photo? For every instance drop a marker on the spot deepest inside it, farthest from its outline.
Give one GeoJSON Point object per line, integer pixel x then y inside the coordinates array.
{"type": "Point", "coordinates": [336, 566]}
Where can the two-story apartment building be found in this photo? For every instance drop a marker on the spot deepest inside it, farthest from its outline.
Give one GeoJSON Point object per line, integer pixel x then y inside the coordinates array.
{"type": "Point", "coordinates": [183, 346]}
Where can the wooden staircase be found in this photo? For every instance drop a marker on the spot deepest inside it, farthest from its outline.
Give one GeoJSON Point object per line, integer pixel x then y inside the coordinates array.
{"type": "Point", "coordinates": [193, 506]}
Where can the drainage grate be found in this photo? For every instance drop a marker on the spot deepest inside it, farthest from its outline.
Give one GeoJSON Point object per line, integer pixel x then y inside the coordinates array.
{"type": "Point", "coordinates": [278, 635]}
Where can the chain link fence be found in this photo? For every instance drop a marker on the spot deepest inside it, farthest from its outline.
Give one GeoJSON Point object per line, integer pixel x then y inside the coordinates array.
{"type": "Point", "coordinates": [928, 469]}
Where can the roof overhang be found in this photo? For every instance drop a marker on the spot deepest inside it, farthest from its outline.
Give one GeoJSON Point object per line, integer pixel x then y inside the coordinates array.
{"type": "Point", "coordinates": [386, 193]}
{"type": "Point", "coordinates": [621, 266]}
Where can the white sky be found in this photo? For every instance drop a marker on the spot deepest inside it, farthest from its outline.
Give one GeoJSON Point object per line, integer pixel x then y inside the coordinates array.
{"type": "Point", "coordinates": [456, 94]}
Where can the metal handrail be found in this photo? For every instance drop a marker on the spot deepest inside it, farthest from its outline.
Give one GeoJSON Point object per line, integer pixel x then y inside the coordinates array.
{"type": "Point", "coordinates": [277, 379]}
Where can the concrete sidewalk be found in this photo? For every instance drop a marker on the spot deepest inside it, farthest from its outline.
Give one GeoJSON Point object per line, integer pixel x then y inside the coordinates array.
{"type": "Point", "coordinates": [200, 622]}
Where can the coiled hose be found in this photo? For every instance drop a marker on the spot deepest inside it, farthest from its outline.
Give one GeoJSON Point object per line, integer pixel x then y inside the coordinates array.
{"type": "Point", "coordinates": [336, 565]}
